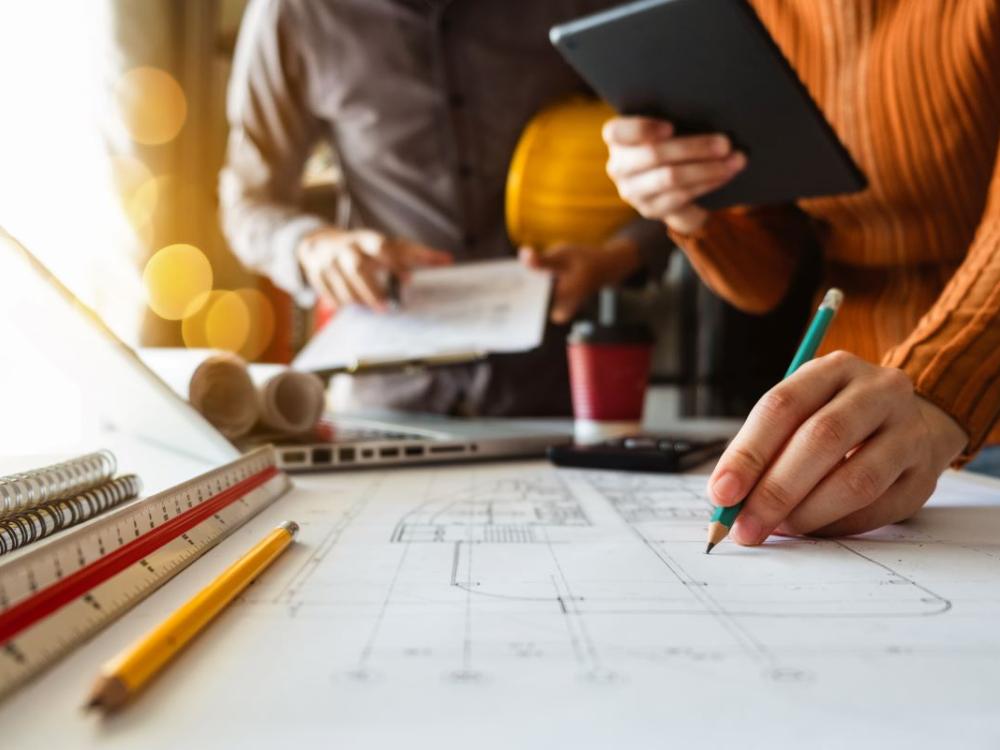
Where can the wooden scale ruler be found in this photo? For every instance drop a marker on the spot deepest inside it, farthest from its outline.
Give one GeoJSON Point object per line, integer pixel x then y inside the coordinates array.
{"type": "Point", "coordinates": [57, 595]}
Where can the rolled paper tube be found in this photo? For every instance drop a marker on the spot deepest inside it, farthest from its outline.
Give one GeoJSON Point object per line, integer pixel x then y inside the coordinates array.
{"type": "Point", "coordinates": [292, 402]}
{"type": "Point", "coordinates": [222, 391]}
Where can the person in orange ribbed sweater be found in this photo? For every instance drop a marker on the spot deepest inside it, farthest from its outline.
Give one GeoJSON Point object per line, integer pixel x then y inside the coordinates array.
{"type": "Point", "coordinates": [858, 438]}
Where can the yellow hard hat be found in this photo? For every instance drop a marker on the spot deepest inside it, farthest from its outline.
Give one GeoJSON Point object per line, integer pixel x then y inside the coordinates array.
{"type": "Point", "coordinates": [557, 187]}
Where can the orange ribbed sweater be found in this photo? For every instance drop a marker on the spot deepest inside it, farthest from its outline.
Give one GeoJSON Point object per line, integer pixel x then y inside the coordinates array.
{"type": "Point", "coordinates": [912, 87]}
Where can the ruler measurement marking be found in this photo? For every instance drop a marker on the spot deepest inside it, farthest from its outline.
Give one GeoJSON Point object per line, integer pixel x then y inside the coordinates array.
{"type": "Point", "coordinates": [51, 635]}
{"type": "Point", "coordinates": [49, 638]}
{"type": "Point", "coordinates": [14, 653]}
{"type": "Point", "coordinates": [80, 549]}
{"type": "Point", "coordinates": [41, 603]}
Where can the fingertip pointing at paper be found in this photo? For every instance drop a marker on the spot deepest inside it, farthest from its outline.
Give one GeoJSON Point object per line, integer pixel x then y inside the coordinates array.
{"type": "Point", "coordinates": [726, 489]}
{"type": "Point", "coordinates": [748, 531]}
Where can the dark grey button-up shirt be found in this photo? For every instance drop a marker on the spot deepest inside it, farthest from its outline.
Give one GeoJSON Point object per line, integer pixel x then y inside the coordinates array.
{"type": "Point", "coordinates": [423, 103]}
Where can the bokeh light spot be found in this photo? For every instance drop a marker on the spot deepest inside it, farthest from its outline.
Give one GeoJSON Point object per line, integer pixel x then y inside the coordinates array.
{"type": "Point", "coordinates": [193, 326]}
{"type": "Point", "coordinates": [262, 323]}
{"type": "Point", "coordinates": [141, 196]}
{"type": "Point", "coordinates": [138, 194]}
{"type": "Point", "coordinates": [152, 105]}
{"type": "Point", "coordinates": [177, 280]}
{"type": "Point", "coordinates": [141, 204]}
{"type": "Point", "coordinates": [227, 324]}
{"type": "Point", "coordinates": [129, 175]}
{"type": "Point", "coordinates": [221, 322]}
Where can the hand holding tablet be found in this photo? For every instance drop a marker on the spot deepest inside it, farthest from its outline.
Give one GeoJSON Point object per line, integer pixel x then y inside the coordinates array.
{"type": "Point", "coordinates": [662, 174]}
{"type": "Point", "coordinates": [706, 68]}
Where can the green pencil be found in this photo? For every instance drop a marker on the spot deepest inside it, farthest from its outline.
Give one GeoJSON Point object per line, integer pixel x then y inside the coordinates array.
{"type": "Point", "coordinates": [723, 518]}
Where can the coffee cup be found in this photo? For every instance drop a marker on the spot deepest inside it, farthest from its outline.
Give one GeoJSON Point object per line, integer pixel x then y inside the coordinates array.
{"type": "Point", "coordinates": [609, 369]}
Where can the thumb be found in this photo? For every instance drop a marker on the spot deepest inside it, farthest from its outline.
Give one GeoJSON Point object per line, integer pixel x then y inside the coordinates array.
{"type": "Point", "coordinates": [409, 255]}
{"type": "Point", "coordinates": [565, 301]}
{"type": "Point", "coordinates": [688, 220]}
{"type": "Point", "coordinates": [635, 131]}
{"type": "Point", "coordinates": [374, 245]}
{"type": "Point", "coordinates": [556, 258]}
{"type": "Point", "coordinates": [530, 257]}
{"type": "Point", "coordinates": [570, 289]}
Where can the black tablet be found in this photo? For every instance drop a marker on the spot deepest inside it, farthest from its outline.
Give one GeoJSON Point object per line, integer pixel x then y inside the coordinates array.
{"type": "Point", "coordinates": [711, 66]}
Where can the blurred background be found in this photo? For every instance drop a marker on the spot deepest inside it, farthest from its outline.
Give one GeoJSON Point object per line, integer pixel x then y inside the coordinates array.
{"type": "Point", "coordinates": [112, 134]}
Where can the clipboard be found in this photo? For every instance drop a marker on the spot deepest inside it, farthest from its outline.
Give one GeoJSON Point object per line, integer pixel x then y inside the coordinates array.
{"type": "Point", "coordinates": [446, 315]}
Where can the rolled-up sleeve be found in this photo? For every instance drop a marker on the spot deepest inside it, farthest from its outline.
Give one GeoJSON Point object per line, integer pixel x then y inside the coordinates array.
{"type": "Point", "coordinates": [748, 256]}
{"type": "Point", "coordinates": [654, 244]}
{"type": "Point", "coordinates": [271, 133]}
{"type": "Point", "coordinates": [953, 355]}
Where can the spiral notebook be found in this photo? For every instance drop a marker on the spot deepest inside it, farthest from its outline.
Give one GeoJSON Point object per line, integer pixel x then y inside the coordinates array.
{"type": "Point", "coordinates": [49, 484]}
{"type": "Point", "coordinates": [32, 525]}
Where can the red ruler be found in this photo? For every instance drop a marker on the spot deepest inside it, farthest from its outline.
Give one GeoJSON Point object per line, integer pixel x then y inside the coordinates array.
{"type": "Point", "coordinates": [57, 595]}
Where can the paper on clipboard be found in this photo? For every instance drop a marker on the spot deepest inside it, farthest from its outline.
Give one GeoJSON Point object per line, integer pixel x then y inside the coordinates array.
{"type": "Point", "coordinates": [489, 306]}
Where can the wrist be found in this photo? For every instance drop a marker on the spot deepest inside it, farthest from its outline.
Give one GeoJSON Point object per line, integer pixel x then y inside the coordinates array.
{"type": "Point", "coordinates": [310, 239]}
{"type": "Point", "coordinates": [622, 258]}
{"type": "Point", "coordinates": [307, 255]}
{"type": "Point", "coordinates": [948, 437]}
{"type": "Point", "coordinates": [688, 222]}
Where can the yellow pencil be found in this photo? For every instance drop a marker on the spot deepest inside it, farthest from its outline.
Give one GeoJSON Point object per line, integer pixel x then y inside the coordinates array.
{"type": "Point", "coordinates": [126, 674]}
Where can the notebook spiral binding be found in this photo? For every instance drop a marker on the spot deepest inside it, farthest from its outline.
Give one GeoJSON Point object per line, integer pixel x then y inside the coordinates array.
{"type": "Point", "coordinates": [62, 481]}
{"type": "Point", "coordinates": [32, 525]}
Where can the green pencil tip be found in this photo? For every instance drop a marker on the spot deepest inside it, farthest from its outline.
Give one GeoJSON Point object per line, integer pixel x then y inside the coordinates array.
{"type": "Point", "coordinates": [710, 547]}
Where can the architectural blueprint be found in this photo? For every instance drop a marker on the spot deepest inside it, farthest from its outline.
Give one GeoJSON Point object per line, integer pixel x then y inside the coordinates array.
{"type": "Point", "coordinates": [522, 606]}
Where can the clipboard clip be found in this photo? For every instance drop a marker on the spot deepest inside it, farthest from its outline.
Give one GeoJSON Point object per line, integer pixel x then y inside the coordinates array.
{"type": "Point", "coordinates": [404, 364]}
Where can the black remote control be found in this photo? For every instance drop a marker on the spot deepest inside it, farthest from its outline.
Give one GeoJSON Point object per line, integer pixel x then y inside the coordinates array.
{"type": "Point", "coordinates": [658, 453]}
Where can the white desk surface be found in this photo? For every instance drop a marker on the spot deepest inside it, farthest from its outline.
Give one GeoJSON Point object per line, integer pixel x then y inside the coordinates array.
{"type": "Point", "coordinates": [296, 677]}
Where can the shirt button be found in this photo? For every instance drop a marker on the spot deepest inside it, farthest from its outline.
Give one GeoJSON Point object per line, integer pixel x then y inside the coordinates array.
{"type": "Point", "coordinates": [465, 171]}
{"type": "Point", "coordinates": [456, 101]}
{"type": "Point", "coordinates": [469, 241]}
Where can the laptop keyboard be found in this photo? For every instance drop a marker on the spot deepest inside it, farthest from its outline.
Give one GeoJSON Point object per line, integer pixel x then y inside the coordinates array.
{"type": "Point", "coordinates": [329, 432]}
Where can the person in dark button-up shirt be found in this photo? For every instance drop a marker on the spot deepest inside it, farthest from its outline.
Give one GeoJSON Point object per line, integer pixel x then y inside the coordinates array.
{"type": "Point", "coordinates": [423, 103]}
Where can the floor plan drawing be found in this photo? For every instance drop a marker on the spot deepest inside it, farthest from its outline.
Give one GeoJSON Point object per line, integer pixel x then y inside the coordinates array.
{"type": "Point", "coordinates": [507, 509]}
{"type": "Point", "coordinates": [507, 601]}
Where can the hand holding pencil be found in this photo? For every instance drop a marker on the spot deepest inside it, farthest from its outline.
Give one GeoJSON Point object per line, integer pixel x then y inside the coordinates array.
{"type": "Point", "coordinates": [841, 446]}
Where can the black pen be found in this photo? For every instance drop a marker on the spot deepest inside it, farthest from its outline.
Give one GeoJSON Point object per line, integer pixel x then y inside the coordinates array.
{"type": "Point", "coordinates": [393, 291]}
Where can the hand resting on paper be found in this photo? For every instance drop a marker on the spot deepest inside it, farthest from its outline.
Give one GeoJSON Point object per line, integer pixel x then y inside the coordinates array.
{"type": "Point", "coordinates": [352, 266]}
{"type": "Point", "coordinates": [581, 270]}
{"type": "Point", "coordinates": [661, 174]}
{"type": "Point", "coordinates": [840, 447]}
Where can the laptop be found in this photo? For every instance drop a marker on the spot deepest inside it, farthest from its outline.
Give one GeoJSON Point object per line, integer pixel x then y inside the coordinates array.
{"type": "Point", "coordinates": [135, 400]}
